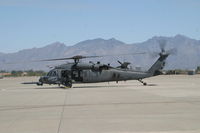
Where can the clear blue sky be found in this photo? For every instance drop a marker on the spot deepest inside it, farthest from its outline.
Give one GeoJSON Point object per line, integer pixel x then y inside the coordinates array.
{"type": "Point", "coordinates": [36, 23]}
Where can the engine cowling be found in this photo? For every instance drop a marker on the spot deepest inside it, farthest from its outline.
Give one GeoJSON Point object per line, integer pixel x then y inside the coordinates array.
{"type": "Point", "coordinates": [100, 67]}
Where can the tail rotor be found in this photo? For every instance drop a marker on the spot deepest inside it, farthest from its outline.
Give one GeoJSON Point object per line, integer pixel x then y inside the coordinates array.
{"type": "Point", "coordinates": [163, 51]}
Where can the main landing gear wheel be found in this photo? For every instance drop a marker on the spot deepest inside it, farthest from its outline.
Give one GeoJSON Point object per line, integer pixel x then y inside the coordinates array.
{"type": "Point", "coordinates": [144, 83]}
{"type": "Point", "coordinates": [39, 84]}
{"type": "Point", "coordinates": [68, 84]}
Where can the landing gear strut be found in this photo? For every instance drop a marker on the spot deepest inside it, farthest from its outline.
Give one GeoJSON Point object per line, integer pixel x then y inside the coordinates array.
{"type": "Point", "coordinates": [68, 84]}
{"type": "Point", "coordinates": [66, 79]}
{"type": "Point", "coordinates": [144, 83]}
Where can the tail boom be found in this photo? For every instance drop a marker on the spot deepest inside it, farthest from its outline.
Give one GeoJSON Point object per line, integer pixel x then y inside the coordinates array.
{"type": "Point", "coordinates": [158, 65]}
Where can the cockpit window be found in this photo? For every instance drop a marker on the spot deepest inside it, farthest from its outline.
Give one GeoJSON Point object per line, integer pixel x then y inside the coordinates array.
{"type": "Point", "coordinates": [52, 73]}
{"type": "Point", "coordinates": [49, 73]}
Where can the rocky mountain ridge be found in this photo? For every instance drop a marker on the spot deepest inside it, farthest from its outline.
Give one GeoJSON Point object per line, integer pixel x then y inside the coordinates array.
{"type": "Point", "coordinates": [187, 57]}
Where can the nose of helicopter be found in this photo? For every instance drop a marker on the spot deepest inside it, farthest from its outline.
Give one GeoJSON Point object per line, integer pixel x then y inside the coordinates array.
{"type": "Point", "coordinates": [41, 81]}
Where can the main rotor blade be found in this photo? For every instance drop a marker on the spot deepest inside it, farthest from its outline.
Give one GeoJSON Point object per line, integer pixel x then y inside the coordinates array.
{"type": "Point", "coordinates": [125, 54]}
{"type": "Point", "coordinates": [77, 57]}
{"type": "Point", "coordinates": [22, 62]}
{"type": "Point", "coordinates": [119, 62]}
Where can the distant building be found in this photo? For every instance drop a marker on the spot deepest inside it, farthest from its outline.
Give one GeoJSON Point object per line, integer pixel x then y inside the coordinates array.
{"type": "Point", "coordinates": [198, 70]}
{"type": "Point", "coordinates": [5, 74]}
{"type": "Point", "coordinates": [1, 76]}
{"type": "Point", "coordinates": [192, 72]}
{"type": "Point", "coordinates": [24, 74]}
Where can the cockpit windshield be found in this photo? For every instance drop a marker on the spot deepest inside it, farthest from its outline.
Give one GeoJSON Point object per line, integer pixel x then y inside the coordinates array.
{"type": "Point", "coordinates": [52, 73]}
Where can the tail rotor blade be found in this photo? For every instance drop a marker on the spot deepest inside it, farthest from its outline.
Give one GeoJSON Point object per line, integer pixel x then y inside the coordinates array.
{"type": "Point", "coordinates": [162, 44]}
{"type": "Point", "coordinates": [154, 54]}
{"type": "Point", "coordinates": [172, 51]}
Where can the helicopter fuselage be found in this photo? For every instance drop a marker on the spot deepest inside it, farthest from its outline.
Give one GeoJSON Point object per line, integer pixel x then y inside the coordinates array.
{"type": "Point", "coordinates": [63, 76]}
{"type": "Point", "coordinates": [67, 74]}
{"type": "Point", "coordinates": [112, 75]}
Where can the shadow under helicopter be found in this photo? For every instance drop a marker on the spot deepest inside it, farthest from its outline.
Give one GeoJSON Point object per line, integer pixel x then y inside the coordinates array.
{"type": "Point", "coordinates": [111, 86]}
{"type": "Point", "coordinates": [95, 86]}
{"type": "Point", "coordinates": [50, 88]}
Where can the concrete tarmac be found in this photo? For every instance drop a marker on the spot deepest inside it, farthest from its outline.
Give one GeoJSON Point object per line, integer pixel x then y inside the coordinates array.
{"type": "Point", "coordinates": [169, 104]}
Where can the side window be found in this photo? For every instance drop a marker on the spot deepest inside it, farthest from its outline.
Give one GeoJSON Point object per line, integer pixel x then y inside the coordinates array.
{"type": "Point", "coordinates": [54, 73]}
{"type": "Point", "coordinates": [49, 73]}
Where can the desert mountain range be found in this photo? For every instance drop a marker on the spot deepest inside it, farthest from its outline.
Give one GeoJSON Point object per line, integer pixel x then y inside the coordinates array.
{"type": "Point", "coordinates": [187, 56]}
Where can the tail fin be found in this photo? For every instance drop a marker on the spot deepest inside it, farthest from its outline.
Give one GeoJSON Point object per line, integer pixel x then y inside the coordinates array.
{"type": "Point", "coordinates": [158, 65]}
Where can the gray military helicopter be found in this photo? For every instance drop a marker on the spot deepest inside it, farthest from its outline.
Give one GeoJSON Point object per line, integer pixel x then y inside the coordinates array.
{"type": "Point", "coordinates": [80, 72]}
